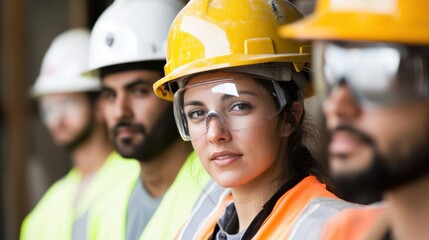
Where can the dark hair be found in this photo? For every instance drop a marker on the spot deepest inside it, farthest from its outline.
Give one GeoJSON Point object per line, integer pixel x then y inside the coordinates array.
{"type": "Point", "coordinates": [155, 65]}
{"type": "Point", "coordinates": [93, 96]}
{"type": "Point", "coordinates": [301, 161]}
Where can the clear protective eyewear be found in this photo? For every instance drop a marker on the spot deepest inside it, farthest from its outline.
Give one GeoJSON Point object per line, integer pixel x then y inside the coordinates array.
{"type": "Point", "coordinates": [377, 74]}
{"type": "Point", "coordinates": [238, 103]}
{"type": "Point", "coordinates": [52, 111]}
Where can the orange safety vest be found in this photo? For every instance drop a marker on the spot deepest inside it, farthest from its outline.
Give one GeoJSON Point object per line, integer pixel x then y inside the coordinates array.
{"type": "Point", "coordinates": [299, 214]}
{"type": "Point", "coordinates": [354, 224]}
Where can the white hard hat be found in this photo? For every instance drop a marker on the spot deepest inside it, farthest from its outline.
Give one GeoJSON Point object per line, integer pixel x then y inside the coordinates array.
{"type": "Point", "coordinates": [131, 31]}
{"type": "Point", "coordinates": [63, 64]}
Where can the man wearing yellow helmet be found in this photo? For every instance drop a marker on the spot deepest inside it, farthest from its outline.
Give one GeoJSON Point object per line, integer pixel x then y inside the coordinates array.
{"type": "Point", "coordinates": [371, 63]}
{"type": "Point", "coordinates": [238, 97]}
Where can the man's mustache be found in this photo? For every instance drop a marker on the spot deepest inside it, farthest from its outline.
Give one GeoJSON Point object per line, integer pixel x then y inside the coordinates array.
{"type": "Point", "coordinates": [362, 136]}
{"type": "Point", "coordinates": [130, 126]}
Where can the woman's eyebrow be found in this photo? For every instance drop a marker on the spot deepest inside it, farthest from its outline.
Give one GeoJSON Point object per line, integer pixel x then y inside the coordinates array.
{"type": "Point", "coordinates": [241, 92]}
{"type": "Point", "coordinates": [194, 103]}
{"type": "Point", "coordinates": [223, 98]}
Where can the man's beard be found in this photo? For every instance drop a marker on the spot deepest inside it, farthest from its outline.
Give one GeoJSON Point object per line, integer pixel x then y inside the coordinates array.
{"type": "Point", "coordinates": [163, 134]}
{"type": "Point", "coordinates": [385, 173]}
{"type": "Point", "coordinates": [81, 137]}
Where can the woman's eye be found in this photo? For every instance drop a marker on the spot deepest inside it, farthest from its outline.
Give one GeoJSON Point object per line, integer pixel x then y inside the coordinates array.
{"type": "Point", "coordinates": [241, 107]}
{"type": "Point", "coordinates": [196, 114]}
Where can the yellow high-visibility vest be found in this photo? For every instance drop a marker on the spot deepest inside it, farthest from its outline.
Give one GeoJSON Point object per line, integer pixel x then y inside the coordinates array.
{"type": "Point", "coordinates": [108, 220]}
{"type": "Point", "coordinates": [55, 213]}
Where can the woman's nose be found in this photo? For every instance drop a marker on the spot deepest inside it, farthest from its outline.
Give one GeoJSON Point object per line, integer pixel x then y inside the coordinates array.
{"type": "Point", "coordinates": [217, 132]}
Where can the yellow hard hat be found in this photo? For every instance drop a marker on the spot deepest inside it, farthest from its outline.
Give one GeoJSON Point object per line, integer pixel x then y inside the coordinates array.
{"type": "Point", "coordinates": [397, 21]}
{"type": "Point", "coordinates": [208, 35]}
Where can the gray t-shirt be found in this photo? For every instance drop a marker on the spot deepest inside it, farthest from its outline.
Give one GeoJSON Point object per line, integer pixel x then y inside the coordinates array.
{"type": "Point", "coordinates": [228, 225]}
{"type": "Point", "coordinates": [141, 208]}
{"type": "Point", "coordinates": [80, 227]}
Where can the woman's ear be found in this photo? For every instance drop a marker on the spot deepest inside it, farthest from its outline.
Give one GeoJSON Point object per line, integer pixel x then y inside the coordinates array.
{"type": "Point", "coordinates": [297, 110]}
{"type": "Point", "coordinates": [296, 113]}
{"type": "Point", "coordinates": [286, 128]}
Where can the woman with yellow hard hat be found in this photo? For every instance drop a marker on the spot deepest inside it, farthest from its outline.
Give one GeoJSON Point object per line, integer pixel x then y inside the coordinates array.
{"type": "Point", "coordinates": [238, 97]}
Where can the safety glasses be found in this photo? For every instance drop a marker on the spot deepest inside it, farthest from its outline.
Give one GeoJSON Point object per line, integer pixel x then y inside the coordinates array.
{"type": "Point", "coordinates": [377, 74]}
{"type": "Point", "coordinates": [53, 110]}
{"type": "Point", "coordinates": [238, 103]}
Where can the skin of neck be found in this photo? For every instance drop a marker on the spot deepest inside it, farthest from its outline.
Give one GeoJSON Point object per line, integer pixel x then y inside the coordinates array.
{"type": "Point", "coordinates": [90, 155]}
{"type": "Point", "coordinates": [250, 198]}
{"type": "Point", "coordinates": [408, 210]}
{"type": "Point", "coordinates": [159, 173]}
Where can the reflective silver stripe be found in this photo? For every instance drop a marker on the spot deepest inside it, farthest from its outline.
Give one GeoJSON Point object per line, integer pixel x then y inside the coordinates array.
{"type": "Point", "coordinates": [206, 206]}
{"type": "Point", "coordinates": [311, 221]}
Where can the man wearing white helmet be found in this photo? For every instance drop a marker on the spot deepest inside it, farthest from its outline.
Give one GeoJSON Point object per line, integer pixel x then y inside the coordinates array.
{"type": "Point", "coordinates": [127, 52]}
{"type": "Point", "coordinates": [72, 113]}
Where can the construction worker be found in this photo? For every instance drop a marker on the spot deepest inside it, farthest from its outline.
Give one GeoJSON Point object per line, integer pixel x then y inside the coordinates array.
{"type": "Point", "coordinates": [371, 63]}
{"type": "Point", "coordinates": [71, 111]}
{"type": "Point", "coordinates": [238, 96]}
{"type": "Point", "coordinates": [127, 52]}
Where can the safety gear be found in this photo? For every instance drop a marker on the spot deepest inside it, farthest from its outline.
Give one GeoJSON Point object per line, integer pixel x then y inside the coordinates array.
{"type": "Point", "coordinates": [308, 205]}
{"type": "Point", "coordinates": [211, 35]}
{"type": "Point", "coordinates": [215, 198]}
{"type": "Point", "coordinates": [398, 21]}
{"type": "Point", "coordinates": [69, 106]}
{"type": "Point", "coordinates": [238, 102]}
{"type": "Point", "coordinates": [131, 31]}
{"type": "Point", "coordinates": [377, 74]}
{"type": "Point", "coordinates": [62, 65]}
{"type": "Point", "coordinates": [109, 220]}
{"type": "Point", "coordinates": [360, 223]}
{"type": "Point", "coordinates": [55, 214]}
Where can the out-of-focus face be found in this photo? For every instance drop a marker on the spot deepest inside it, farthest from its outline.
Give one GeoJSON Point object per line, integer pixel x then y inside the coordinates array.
{"type": "Point", "coordinates": [356, 132]}
{"type": "Point", "coordinates": [373, 143]}
{"type": "Point", "coordinates": [229, 129]}
{"type": "Point", "coordinates": [380, 147]}
{"type": "Point", "coordinates": [68, 116]}
{"type": "Point", "coordinates": [140, 124]}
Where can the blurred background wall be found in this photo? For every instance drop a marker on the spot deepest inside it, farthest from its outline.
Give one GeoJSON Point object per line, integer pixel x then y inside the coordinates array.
{"type": "Point", "coordinates": [29, 162]}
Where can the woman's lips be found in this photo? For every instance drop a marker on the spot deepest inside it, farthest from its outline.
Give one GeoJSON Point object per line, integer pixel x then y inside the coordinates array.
{"type": "Point", "coordinates": [224, 158]}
